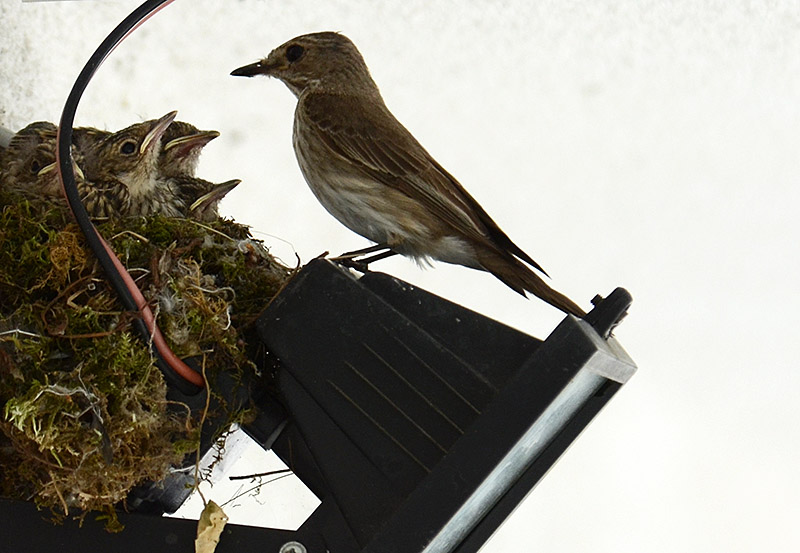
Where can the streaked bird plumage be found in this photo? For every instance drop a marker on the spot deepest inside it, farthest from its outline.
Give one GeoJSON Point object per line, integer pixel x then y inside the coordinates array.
{"type": "Point", "coordinates": [28, 165]}
{"type": "Point", "coordinates": [202, 197]}
{"type": "Point", "coordinates": [145, 169]}
{"type": "Point", "coordinates": [30, 151]}
{"type": "Point", "coordinates": [181, 146]}
{"type": "Point", "coordinates": [370, 173]}
{"type": "Point", "coordinates": [124, 169]}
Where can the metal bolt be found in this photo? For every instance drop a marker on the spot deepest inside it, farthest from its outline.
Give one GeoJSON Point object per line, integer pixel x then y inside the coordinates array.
{"type": "Point", "coordinates": [293, 547]}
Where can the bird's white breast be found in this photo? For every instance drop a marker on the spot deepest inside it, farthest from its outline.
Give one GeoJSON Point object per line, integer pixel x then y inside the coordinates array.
{"type": "Point", "coordinates": [373, 209]}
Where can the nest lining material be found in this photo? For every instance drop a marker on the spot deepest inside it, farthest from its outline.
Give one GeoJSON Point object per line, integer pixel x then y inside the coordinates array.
{"type": "Point", "coordinates": [84, 415]}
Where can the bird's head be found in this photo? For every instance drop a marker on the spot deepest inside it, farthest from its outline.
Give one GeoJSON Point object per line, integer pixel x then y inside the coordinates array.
{"type": "Point", "coordinates": [29, 163]}
{"type": "Point", "coordinates": [181, 147]}
{"type": "Point", "coordinates": [130, 155]}
{"type": "Point", "coordinates": [204, 208]}
{"type": "Point", "coordinates": [324, 61]}
{"type": "Point", "coordinates": [29, 159]}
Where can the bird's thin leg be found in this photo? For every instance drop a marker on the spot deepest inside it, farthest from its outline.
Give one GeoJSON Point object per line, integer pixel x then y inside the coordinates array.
{"type": "Point", "coordinates": [377, 257]}
{"type": "Point", "coordinates": [358, 253]}
{"type": "Point", "coordinates": [362, 265]}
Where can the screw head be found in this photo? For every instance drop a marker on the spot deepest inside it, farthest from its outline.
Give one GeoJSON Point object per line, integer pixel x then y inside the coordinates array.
{"type": "Point", "coordinates": [293, 547]}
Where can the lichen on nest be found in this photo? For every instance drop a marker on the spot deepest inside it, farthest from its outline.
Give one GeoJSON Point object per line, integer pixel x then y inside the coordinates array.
{"type": "Point", "coordinates": [84, 414]}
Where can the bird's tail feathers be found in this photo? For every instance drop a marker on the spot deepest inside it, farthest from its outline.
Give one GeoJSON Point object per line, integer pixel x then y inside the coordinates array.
{"type": "Point", "coordinates": [521, 278]}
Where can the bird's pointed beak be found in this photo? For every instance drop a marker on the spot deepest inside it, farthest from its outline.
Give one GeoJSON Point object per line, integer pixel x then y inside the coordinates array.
{"type": "Point", "coordinates": [261, 67]}
{"type": "Point", "coordinates": [215, 195]}
{"type": "Point", "coordinates": [154, 135]}
{"type": "Point", "coordinates": [191, 141]}
{"type": "Point", "coordinates": [52, 167]}
{"type": "Point", "coordinates": [46, 169]}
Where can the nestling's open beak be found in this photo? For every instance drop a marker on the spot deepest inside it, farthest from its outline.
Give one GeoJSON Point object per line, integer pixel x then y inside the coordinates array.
{"type": "Point", "coordinates": [258, 68]}
{"type": "Point", "coordinates": [49, 168]}
{"type": "Point", "coordinates": [159, 127]}
{"type": "Point", "coordinates": [52, 167]}
{"type": "Point", "coordinates": [190, 141]}
{"type": "Point", "coordinates": [215, 195]}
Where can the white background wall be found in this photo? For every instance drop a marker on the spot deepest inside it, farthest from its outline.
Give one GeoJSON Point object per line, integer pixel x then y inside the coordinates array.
{"type": "Point", "coordinates": [651, 145]}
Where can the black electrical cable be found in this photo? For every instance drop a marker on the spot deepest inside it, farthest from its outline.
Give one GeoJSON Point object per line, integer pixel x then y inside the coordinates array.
{"type": "Point", "coordinates": [64, 159]}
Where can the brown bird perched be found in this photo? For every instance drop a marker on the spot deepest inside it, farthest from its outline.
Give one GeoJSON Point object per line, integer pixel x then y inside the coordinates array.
{"type": "Point", "coordinates": [124, 170]}
{"type": "Point", "coordinates": [370, 173]}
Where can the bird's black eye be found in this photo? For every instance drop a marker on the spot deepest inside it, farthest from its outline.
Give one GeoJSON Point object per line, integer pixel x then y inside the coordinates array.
{"type": "Point", "coordinates": [128, 147]}
{"type": "Point", "coordinates": [35, 166]}
{"type": "Point", "coordinates": [294, 52]}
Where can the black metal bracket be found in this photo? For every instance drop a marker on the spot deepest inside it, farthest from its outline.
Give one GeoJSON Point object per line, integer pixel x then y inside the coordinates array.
{"type": "Point", "coordinates": [418, 423]}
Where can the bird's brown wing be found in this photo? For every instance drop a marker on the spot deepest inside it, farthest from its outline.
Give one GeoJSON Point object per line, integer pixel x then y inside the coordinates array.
{"type": "Point", "coordinates": [378, 145]}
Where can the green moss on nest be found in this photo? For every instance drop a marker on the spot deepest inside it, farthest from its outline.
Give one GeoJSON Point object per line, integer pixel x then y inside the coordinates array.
{"type": "Point", "coordinates": [83, 409]}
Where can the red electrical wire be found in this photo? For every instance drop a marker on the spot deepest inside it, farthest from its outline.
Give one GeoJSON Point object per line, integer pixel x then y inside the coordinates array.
{"type": "Point", "coordinates": [174, 362]}
{"type": "Point", "coordinates": [165, 353]}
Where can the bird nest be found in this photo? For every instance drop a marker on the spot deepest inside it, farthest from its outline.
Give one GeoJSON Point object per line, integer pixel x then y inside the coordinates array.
{"type": "Point", "coordinates": [84, 411]}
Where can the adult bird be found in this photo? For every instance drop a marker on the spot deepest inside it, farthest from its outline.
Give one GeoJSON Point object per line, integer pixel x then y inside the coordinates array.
{"type": "Point", "coordinates": [372, 175]}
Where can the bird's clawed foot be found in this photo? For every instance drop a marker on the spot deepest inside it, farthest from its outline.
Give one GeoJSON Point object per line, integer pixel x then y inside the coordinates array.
{"type": "Point", "coordinates": [354, 259]}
